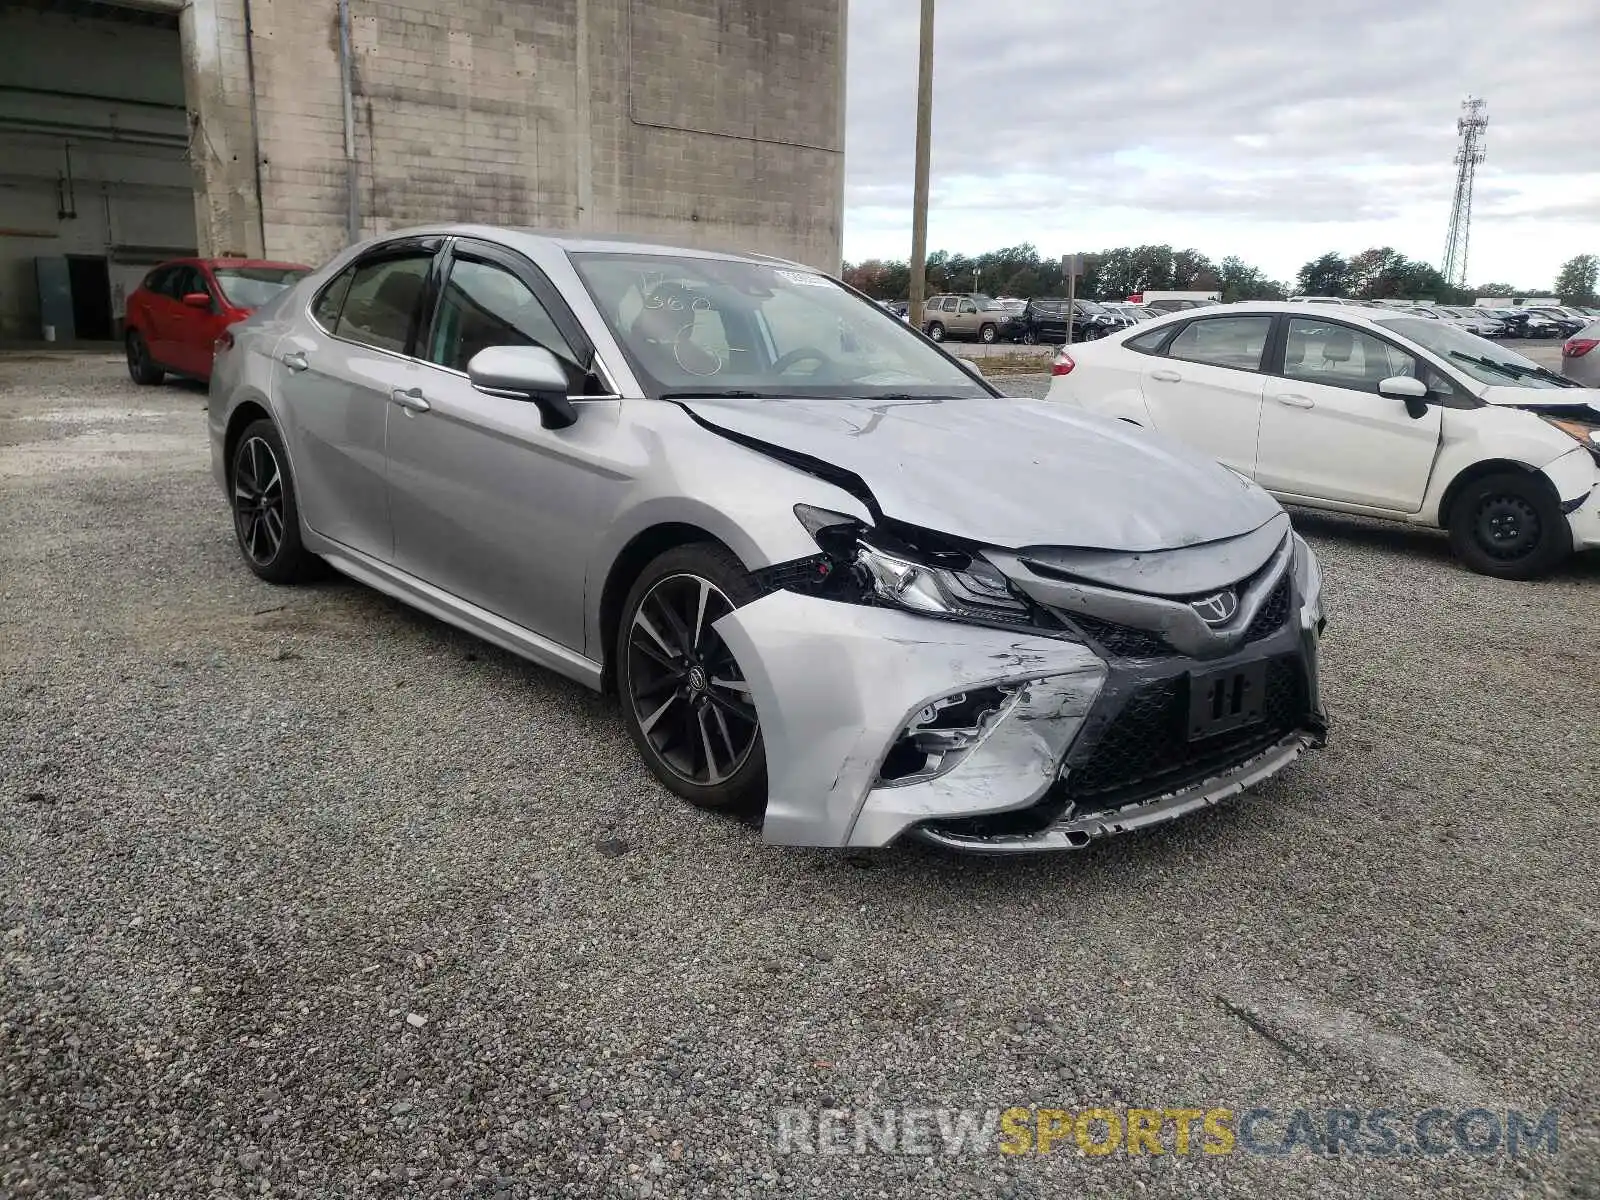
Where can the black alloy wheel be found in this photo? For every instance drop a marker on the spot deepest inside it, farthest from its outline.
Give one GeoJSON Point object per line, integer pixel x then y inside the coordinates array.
{"type": "Point", "coordinates": [140, 368]}
{"type": "Point", "coordinates": [686, 701]}
{"type": "Point", "coordinates": [258, 500]}
{"type": "Point", "coordinates": [266, 517]}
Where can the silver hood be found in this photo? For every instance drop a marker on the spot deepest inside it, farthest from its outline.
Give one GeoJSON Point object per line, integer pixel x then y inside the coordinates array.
{"type": "Point", "coordinates": [1009, 473]}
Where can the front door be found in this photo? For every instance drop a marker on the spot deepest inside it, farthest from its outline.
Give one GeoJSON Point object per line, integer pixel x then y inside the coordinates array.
{"type": "Point", "coordinates": [488, 504]}
{"type": "Point", "coordinates": [1326, 433]}
{"type": "Point", "coordinates": [189, 333]}
{"type": "Point", "coordinates": [336, 378]}
{"type": "Point", "coordinates": [1206, 390]}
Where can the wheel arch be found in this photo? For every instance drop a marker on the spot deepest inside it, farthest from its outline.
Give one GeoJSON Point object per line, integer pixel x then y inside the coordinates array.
{"type": "Point", "coordinates": [1483, 469]}
{"type": "Point", "coordinates": [639, 552]}
{"type": "Point", "coordinates": [244, 414]}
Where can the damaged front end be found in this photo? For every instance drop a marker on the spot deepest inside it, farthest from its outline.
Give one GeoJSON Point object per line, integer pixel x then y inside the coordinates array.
{"type": "Point", "coordinates": [1001, 701]}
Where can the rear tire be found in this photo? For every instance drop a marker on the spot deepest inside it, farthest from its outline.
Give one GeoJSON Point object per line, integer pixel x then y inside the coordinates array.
{"type": "Point", "coordinates": [266, 512]}
{"type": "Point", "coordinates": [936, 331]}
{"type": "Point", "coordinates": [684, 699]}
{"type": "Point", "coordinates": [1509, 526]}
{"type": "Point", "coordinates": [140, 368]}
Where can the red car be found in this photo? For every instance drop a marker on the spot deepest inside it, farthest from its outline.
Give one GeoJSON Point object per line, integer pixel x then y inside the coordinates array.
{"type": "Point", "coordinates": [176, 315]}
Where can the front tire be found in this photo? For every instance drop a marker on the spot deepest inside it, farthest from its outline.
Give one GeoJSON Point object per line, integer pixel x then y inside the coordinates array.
{"type": "Point", "coordinates": [1030, 338]}
{"type": "Point", "coordinates": [140, 368]}
{"type": "Point", "coordinates": [986, 335]}
{"type": "Point", "coordinates": [266, 514]}
{"type": "Point", "coordinates": [1509, 526]}
{"type": "Point", "coordinates": [684, 698]}
{"type": "Point", "coordinates": [936, 331]}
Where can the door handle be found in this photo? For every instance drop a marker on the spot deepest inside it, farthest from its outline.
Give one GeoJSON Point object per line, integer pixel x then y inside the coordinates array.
{"type": "Point", "coordinates": [1166, 376]}
{"type": "Point", "coordinates": [410, 399]}
{"type": "Point", "coordinates": [1295, 400]}
{"type": "Point", "coordinates": [295, 361]}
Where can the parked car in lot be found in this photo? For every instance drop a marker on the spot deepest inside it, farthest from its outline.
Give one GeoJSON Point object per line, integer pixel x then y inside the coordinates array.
{"type": "Point", "coordinates": [1378, 412]}
{"type": "Point", "coordinates": [822, 564]}
{"type": "Point", "coordinates": [1471, 320]}
{"type": "Point", "coordinates": [968, 318]}
{"type": "Point", "coordinates": [1045, 320]}
{"type": "Point", "coordinates": [1579, 360]}
{"type": "Point", "coordinates": [175, 316]}
{"type": "Point", "coordinates": [1527, 323]}
{"type": "Point", "coordinates": [1567, 321]}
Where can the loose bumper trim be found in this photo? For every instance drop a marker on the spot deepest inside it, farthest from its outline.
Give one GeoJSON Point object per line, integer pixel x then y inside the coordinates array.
{"type": "Point", "coordinates": [1076, 832]}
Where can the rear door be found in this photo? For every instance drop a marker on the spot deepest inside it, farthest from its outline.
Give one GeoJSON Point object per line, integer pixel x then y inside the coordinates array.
{"type": "Point", "coordinates": [336, 375]}
{"type": "Point", "coordinates": [1206, 388]}
{"type": "Point", "coordinates": [1326, 433]}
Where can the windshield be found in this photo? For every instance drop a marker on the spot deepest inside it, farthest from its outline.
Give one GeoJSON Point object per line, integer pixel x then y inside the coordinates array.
{"type": "Point", "coordinates": [251, 287]}
{"type": "Point", "coordinates": [714, 327]}
{"type": "Point", "coordinates": [1477, 357]}
{"type": "Point", "coordinates": [1090, 308]}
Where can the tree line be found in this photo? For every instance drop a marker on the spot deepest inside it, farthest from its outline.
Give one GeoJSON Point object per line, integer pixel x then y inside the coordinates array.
{"type": "Point", "coordinates": [1377, 274]}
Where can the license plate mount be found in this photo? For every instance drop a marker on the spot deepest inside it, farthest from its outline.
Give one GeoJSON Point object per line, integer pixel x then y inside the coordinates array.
{"type": "Point", "coordinates": [1226, 699]}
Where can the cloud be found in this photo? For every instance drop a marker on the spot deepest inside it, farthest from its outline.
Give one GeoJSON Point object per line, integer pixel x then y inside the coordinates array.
{"type": "Point", "coordinates": [1222, 119]}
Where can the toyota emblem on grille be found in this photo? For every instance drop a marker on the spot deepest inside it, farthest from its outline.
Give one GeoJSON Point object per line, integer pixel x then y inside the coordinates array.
{"type": "Point", "coordinates": [1218, 609]}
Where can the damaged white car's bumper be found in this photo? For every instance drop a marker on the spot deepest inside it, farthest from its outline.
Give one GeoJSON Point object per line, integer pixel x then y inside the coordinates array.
{"type": "Point", "coordinates": [880, 723]}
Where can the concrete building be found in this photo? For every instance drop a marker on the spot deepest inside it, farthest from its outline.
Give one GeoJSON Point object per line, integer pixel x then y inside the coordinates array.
{"type": "Point", "coordinates": [138, 131]}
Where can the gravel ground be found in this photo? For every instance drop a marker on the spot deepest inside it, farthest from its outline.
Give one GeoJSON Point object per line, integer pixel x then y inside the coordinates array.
{"type": "Point", "coordinates": [304, 894]}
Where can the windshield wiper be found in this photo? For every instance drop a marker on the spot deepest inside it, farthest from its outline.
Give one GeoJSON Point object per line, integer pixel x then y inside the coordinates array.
{"type": "Point", "coordinates": [1512, 371]}
{"type": "Point", "coordinates": [717, 394]}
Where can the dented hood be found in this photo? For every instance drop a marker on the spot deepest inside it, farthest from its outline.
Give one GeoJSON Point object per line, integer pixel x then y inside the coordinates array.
{"type": "Point", "coordinates": [1009, 472]}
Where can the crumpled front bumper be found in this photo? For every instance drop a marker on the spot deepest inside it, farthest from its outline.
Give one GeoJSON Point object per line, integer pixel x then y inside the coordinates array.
{"type": "Point", "coordinates": [837, 684]}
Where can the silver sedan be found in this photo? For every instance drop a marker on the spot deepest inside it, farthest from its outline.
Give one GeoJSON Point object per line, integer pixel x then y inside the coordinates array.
{"type": "Point", "coordinates": [827, 569]}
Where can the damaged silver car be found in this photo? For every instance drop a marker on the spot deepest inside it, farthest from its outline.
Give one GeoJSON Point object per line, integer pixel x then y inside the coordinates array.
{"type": "Point", "coordinates": [825, 566]}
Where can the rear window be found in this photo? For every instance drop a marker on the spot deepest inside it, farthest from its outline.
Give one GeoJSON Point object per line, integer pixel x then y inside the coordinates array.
{"type": "Point", "coordinates": [1223, 342]}
{"type": "Point", "coordinates": [251, 287]}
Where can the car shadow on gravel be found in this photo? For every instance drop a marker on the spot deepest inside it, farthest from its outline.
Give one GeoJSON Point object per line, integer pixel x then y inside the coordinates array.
{"type": "Point", "coordinates": [1413, 542]}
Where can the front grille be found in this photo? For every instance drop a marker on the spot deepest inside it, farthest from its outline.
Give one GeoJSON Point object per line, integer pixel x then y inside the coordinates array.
{"type": "Point", "coordinates": [1122, 641]}
{"type": "Point", "coordinates": [1144, 752]}
{"type": "Point", "coordinates": [1273, 613]}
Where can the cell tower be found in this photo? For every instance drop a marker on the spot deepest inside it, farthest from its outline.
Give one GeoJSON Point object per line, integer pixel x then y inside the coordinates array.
{"type": "Point", "coordinates": [1469, 153]}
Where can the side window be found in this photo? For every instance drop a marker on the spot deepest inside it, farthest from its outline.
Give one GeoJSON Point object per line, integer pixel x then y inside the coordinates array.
{"type": "Point", "coordinates": [948, 304]}
{"type": "Point", "coordinates": [382, 302]}
{"type": "Point", "coordinates": [1149, 342]}
{"type": "Point", "coordinates": [1340, 356]}
{"type": "Point", "coordinates": [327, 306]}
{"type": "Point", "coordinates": [485, 306]}
{"type": "Point", "coordinates": [183, 281]}
{"type": "Point", "coordinates": [159, 281]}
{"type": "Point", "coordinates": [1223, 342]}
{"type": "Point", "coordinates": [967, 306]}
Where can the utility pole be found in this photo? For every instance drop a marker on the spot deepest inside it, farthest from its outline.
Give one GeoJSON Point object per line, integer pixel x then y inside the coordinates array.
{"type": "Point", "coordinates": [919, 200]}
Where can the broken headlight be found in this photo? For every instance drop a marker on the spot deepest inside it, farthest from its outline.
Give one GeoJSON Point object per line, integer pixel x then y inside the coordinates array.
{"type": "Point", "coordinates": [936, 579]}
{"type": "Point", "coordinates": [1308, 582]}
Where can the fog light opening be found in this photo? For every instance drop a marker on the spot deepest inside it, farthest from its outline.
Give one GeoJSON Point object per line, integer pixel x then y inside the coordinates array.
{"type": "Point", "coordinates": [940, 735]}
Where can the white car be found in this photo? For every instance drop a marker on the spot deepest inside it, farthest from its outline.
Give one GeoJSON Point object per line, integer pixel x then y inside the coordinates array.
{"type": "Point", "coordinates": [1369, 411]}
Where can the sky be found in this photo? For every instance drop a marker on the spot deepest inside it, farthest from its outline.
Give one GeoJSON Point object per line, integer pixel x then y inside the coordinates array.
{"type": "Point", "coordinates": [1268, 129]}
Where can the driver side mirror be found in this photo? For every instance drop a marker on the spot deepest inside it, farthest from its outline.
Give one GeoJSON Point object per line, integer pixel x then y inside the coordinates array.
{"type": "Point", "coordinates": [528, 373]}
{"type": "Point", "coordinates": [1413, 391]}
{"type": "Point", "coordinates": [197, 300]}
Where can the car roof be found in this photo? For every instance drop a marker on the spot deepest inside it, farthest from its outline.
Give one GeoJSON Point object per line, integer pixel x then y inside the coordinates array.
{"type": "Point", "coordinates": [572, 242]}
{"type": "Point", "coordinates": [226, 263]}
{"type": "Point", "coordinates": [1353, 313]}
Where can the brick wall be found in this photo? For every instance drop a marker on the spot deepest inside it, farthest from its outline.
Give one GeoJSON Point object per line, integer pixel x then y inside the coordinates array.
{"type": "Point", "coordinates": [713, 122]}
